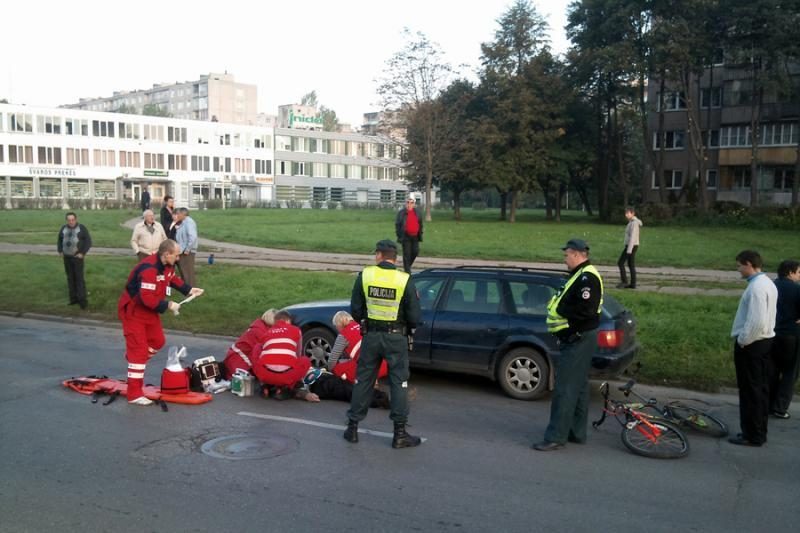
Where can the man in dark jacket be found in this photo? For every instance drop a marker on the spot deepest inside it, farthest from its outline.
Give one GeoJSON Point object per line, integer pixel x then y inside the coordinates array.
{"type": "Point", "coordinates": [408, 226]}
{"type": "Point", "coordinates": [145, 199]}
{"type": "Point", "coordinates": [785, 346]}
{"type": "Point", "coordinates": [74, 242]}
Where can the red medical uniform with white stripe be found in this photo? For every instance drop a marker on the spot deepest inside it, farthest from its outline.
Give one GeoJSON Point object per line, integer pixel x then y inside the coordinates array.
{"type": "Point", "coordinates": [240, 354]}
{"type": "Point", "coordinates": [346, 369]}
{"type": "Point", "coordinates": [280, 363]}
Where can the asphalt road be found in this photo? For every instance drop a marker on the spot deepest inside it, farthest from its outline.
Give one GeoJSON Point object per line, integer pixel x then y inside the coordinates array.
{"type": "Point", "coordinates": [69, 465]}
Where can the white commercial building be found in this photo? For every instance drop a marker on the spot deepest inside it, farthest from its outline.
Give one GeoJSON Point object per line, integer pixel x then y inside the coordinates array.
{"type": "Point", "coordinates": [74, 158]}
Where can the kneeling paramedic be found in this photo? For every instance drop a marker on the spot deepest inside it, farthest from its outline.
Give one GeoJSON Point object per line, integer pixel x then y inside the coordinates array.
{"type": "Point", "coordinates": [139, 309]}
{"type": "Point", "coordinates": [385, 300]}
{"type": "Point", "coordinates": [573, 316]}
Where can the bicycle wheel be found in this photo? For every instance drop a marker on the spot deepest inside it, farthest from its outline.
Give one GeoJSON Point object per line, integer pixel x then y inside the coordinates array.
{"type": "Point", "coordinates": [659, 439]}
{"type": "Point", "coordinates": [699, 420]}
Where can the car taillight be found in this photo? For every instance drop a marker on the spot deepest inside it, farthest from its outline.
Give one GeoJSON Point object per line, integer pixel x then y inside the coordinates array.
{"type": "Point", "coordinates": [611, 338]}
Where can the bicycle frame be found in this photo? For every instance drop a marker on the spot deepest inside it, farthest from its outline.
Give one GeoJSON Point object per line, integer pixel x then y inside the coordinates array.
{"type": "Point", "coordinates": [618, 409]}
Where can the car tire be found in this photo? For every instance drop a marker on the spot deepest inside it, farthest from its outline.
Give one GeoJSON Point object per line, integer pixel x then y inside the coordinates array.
{"type": "Point", "coordinates": [317, 344]}
{"type": "Point", "coordinates": [523, 374]}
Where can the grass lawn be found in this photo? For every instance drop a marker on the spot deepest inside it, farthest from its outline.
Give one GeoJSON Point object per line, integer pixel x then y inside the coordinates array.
{"type": "Point", "coordinates": [685, 340]}
{"type": "Point", "coordinates": [480, 235]}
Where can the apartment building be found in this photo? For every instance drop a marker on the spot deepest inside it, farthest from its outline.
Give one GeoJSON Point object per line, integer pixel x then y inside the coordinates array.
{"type": "Point", "coordinates": [217, 97]}
{"type": "Point", "coordinates": [724, 97]}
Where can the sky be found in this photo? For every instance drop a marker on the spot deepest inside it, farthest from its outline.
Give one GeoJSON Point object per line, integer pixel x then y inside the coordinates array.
{"type": "Point", "coordinates": [58, 51]}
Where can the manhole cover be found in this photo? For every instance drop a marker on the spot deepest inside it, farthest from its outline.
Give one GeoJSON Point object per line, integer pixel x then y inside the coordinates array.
{"type": "Point", "coordinates": [240, 447]}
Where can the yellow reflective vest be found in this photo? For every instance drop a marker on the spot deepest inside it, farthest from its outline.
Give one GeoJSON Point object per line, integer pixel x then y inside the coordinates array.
{"type": "Point", "coordinates": [556, 322]}
{"type": "Point", "coordinates": [383, 289]}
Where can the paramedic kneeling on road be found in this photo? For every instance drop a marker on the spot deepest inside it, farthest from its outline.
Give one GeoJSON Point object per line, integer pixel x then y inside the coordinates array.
{"type": "Point", "coordinates": [247, 347]}
{"type": "Point", "coordinates": [573, 316]}
{"type": "Point", "coordinates": [348, 343]}
{"type": "Point", "coordinates": [387, 300]}
{"type": "Point", "coordinates": [143, 299]}
{"type": "Point", "coordinates": [279, 365]}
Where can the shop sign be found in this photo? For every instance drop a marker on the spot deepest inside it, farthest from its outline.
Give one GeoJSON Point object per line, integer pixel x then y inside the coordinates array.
{"type": "Point", "coordinates": [56, 172]}
{"type": "Point", "coordinates": [303, 119]}
{"type": "Point", "coordinates": [267, 181]}
{"type": "Point", "coordinates": [159, 173]}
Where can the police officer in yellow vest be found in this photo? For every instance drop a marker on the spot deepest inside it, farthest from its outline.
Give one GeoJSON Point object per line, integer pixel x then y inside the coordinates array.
{"type": "Point", "coordinates": [385, 303]}
{"type": "Point", "coordinates": [573, 316]}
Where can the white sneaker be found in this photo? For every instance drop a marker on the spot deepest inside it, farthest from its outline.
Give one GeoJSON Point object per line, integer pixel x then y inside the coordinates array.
{"type": "Point", "coordinates": [141, 400]}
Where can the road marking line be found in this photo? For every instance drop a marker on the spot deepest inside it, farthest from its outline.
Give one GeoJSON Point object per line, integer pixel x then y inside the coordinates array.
{"type": "Point", "coordinates": [317, 424]}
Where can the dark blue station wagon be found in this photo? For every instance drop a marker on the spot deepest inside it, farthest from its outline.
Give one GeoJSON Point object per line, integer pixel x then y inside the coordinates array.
{"type": "Point", "coordinates": [488, 322]}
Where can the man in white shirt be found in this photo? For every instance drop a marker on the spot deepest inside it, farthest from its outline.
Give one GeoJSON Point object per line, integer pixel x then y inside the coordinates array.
{"type": "Point", "coordinates": [753, 331]}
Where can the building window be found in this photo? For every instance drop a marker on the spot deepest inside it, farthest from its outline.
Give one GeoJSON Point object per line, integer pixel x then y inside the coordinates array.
{"type": "Point", "coordinates": [320, 194]}
{"type": "Point", "coordinates": [714, 139]}
{"type": "Point", "coordinates": [20, 122]}
{"type": "Point", "coordinates": [201, 163]}
{"type": "Point", "coordinates": [105, 190]}
{"type": "Point", "coordinates": [20, 154]}
{"type": "Point", "coordinates": [734, 136]}
{"type": "Point", "coordinates": [78, 189]}
{"type": "Point", "coordinates": [337, 194]}
{"type": "Point", "coordinates": [263, 166]}
{"type": "Point", "coordinates": [781, 133]}
{"type": "Point", "coordinates": [319, 170]}
{"type": "Point", "coordinates": [673, 101]}
{"type": "Point", "coordinates": [2, 153]}
{"type": "Point", "coordinates": [263, 141]}
{"type": "Point", "coordinates": [130, 159]}
{"type": "Point", "coordinates": [128, 130]}
{"type": "Point", "coordinates": [75, 126]}
{"type": "Point", "coordinates": [49, 156]}
{"type": "Point", "coordinates": [78, 156]}
{"type": "Point", "coordinates": [153, 161]}
{"type": "Point", "coordinates": [153, 133]}
{"type": "Point", "coordinates": [176, 162]}
{"type": "Point", "coordinates": [103, 128]}
{"type": "Point", "coordinates": [104, 158]}
{"type": "Point", "coordinates": [741, 177]}
{"type": "Point", "coordinates": [22, 188]}
{"type": "Point", "coordinates": [49, 124]}
{"type": "Point", "coordinates": [176, 135]}
{"type": "Point", "coordinates": [712, 96]}
{"type": "Point", "coordinates": [386, 196]}
{"type": "Point", "coordinates": [673, 179]}
{"type": "Point", "coordinates": [783, 178]}
{"type": "Point", "coordinates": [50, 188]}
{"type": "Point", "coordinates": [711, 178]}
{"type": "Point", "coordinates": [674, 140]}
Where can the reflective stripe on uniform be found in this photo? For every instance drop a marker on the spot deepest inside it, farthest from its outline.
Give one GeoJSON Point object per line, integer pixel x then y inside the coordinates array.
{"type": "Point", "coordinates": [279, 351]}
{"type": "Point", "coordinates": [383, 290]}
{"type": "Point", "coordinates": [149, 286]}
{"type": "Point", "coordinates": [282, 340]}
{"type": "Point", "coordinates": [135, 375]}
{"type": "Point", "coordinates": [136, 366]}
{"type": "Point", "coordinates": [556, 322]}
{"type": "Point", "coordinates": [241, 354]}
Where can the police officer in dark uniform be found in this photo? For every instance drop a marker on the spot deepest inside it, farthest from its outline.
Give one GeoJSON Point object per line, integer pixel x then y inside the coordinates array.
{"type": "Point", "coordinates": [385, 303]}
{"type": "Point", "coordinates": [573, 316]}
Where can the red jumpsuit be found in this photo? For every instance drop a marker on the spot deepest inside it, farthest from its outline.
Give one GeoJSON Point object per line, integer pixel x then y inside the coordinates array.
{"type": "Point", "coordinates": [143, 299]}
{"type": "Point", "coordinates": [346, 368]}
{"type": "Point", "coordinates": [279, 362]}
{"type": "Point", "coordinates": [240, 354]}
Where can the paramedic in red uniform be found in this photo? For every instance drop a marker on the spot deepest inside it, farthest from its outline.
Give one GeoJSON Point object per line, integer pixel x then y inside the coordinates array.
{"type": "Point", "coordinates": [139, 307]}
{"type": "Point", "coordinates": [348, 344]}
{"type": "Point", "coordinates": [247, 347]}
{"type": "Point", "coordinates": [279, 364]}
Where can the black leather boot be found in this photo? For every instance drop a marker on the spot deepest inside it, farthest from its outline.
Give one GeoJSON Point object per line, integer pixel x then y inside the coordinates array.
{"type": "Point", "coordinates": [402, 439]}
{"type": "Point", "coordinates": [351, 433]}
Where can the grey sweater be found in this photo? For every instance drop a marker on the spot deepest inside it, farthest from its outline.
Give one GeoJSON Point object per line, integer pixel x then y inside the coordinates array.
{"type": "Point", "coordinates": [632, 234]}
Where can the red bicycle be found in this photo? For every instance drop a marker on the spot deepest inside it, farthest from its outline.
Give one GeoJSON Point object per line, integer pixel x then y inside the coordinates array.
{"type": "Point", "coordinates": [643, 433]}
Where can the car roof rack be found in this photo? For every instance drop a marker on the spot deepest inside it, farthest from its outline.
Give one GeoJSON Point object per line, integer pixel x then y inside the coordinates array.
{"type": "Point", "coordinates": [505, 267]}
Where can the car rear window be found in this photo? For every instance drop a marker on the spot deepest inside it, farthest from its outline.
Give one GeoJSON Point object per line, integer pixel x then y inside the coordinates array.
{"type": "Point", "coordinates": [612, 306]}
{"type": "Point", "coordinates": [531, 298]}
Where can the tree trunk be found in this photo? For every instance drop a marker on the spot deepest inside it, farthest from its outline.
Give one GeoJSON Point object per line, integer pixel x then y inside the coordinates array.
{"type": "Point", "coordinates": [755, 134]}
{"type": "Point", "coordinates": [548, 206]}
{"type": "Point", "coordinates": [457, 204]}
{"type": "Point", "coordinates": [584, 196]}
{"type": "Point", "coordinates": [559, 196]}
{"type": "Point", "coordinates": [695, 138]}
{"type": "Point", "coordinates": [796, 177]}
{"type": "Point", "coordinates": [503, 201]}
{"type": "Point", "coordinates": [662, 185]}
{"type": "Point", "coordinates": [649, 160]}
{"type": "Point", "coordinates": [513, 217]}
{"type": "Point", "coordinates": [428, 173]}
{"type": "Point", "coordinates": [623, 177]}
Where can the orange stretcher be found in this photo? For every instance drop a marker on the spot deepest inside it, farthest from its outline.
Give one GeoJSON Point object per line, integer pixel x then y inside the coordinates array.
{"type": "Point", "coordinates": [99, 385]}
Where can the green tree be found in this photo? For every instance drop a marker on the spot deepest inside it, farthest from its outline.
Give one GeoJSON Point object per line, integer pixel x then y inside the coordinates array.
{"type": "Point", "coordinates": [154, 110]}
{"type": "Point", "coordinates": [309, 99]}
{"type": "Point", "coordinates": [411, 81]}
{"type": "Point", "coordinates": [126, 109]}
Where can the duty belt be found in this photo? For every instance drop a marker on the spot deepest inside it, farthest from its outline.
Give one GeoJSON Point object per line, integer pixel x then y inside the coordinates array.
{"type": "Point", "coordinates": [386, 327]}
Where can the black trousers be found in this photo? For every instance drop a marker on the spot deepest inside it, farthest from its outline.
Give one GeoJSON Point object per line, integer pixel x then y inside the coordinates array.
{"type": "Point", "coordinates": [785, 369]}
{"type": "Point", "coordinates": [410, 251]}
{"type": "Point", "coordinates": [752, 377]}
{"type": "Point", "coordinates": [330, 387]}
{"type": "Point", "coordinates": [629, 258]}
{"type": "Point", "coordinates": [73, 267]}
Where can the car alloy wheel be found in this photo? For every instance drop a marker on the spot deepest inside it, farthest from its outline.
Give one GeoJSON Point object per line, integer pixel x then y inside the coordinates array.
{"type": "Point", "coordinates": [317, 344]}
{"type": "Point", "coordinates": [523, 374]}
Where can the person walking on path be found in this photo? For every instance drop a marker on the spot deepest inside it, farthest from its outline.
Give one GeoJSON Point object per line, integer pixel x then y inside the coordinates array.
{"type": "Point", "coordinates": [74, 243]}
{"type": "Point", "coordinates": [167, 216]}
{"type": "Point", "coordinates": [385, 300]}
{"type": "Point", "coordinates": [139, 308]}
{"type": "Point", "coordinates": [147, 235]}
{"type": "Point", "coordinates": [573, 316]}
{"type": "Point", "coordinates": [408, 227]}
{"type": "Point", "coordinates": [753, 331]}
{"type": "Point", "coordinates": [186, 236]}
{"type": "Point", "coordinates": [145, 200]}
{"type": "Point", "coordinates": [785, 353]}
{"type": "Point", "coordinates": [629, 249]}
